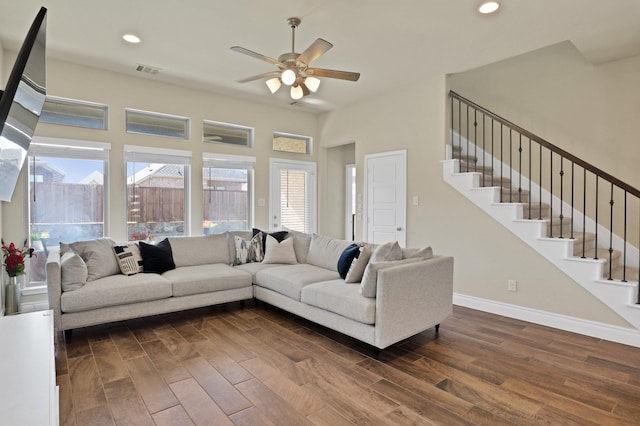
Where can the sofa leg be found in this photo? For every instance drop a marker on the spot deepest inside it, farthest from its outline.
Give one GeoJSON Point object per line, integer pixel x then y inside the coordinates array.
{"type": "Point", "coordinates": [437, 328]}
{"type": "Point", "coordinates": [242, 304]}
{"type": "Point", "coordinates": [67, 334]}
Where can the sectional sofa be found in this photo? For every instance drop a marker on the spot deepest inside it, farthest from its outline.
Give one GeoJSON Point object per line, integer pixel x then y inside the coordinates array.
{"type": "Point", "coordinates": [379, 294]}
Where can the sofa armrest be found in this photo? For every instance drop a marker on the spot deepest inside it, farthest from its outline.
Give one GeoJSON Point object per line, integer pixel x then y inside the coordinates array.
{"type": "Point", "coordinates": [54, 286]}
{"type": "Point", "coordinates": [412, 298]}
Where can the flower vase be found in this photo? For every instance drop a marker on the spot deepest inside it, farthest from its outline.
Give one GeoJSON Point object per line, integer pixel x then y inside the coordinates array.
{"type": "Point", "coordinates": [12, 296]}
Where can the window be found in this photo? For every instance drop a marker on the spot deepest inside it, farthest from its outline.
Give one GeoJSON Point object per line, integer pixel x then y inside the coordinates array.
{"type": "Point", "coordinates": [67, 202]}
{"type": "Point", "coordinates": [292, 143]}
{"type": "Point", "coordinates": [293, 195]}
{"type": "Point", "coordinates": [71, 112]}
{"type": "Point", "coordinates": [157, 192]}
{"type": "Point", "coordinates": [231, 134]}
{"type": "Point", "coordinates": [228, 193]}
{"type": "Point", "coordinates": [157, 124]}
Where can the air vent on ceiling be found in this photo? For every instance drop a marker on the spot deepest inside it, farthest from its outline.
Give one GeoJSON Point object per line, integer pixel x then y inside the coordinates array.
{"type": "Point", "coordinates": [147, 69]}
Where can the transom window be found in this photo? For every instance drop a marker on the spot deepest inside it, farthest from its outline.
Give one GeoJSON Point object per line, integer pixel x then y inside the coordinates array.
{"type": "Point", "coordinates": [231, 134]}
{"type": "Point", "coordinates": [157, 124]}
{"type": "Point", "coordinates": [288, 142]}
{"type": "Point", "coordinates": [71, 112]}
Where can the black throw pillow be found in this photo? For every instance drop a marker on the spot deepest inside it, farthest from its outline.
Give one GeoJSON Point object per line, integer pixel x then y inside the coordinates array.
{"type": "Point", "coordinates": [278, 235]}
{"type": "Point", "coordinates": [346, 258]}
{"type": "Point", "coordinates": [157, 258]}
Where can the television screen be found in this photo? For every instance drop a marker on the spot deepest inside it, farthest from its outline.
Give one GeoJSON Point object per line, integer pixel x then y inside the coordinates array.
{"type": "Point", "coordinates": [21, 104]}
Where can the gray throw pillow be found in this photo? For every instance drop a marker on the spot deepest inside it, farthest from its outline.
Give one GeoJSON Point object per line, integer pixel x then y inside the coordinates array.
{"type": "Point", "coordinates": [369, 284]}
{"type": "Point", "coordinates": [387, 252]}
{"type": "Point", "coordinates": [325, 251]}
{"type": "Point", "coordinates": [425, 253]}
{"type": "Point", "coordinates": [97, 254]}
{"type": "Point", "coordinates": [73, 271]}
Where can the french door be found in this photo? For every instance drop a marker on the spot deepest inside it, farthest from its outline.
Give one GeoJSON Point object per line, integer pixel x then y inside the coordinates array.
{"type": "Point", "coordinates": [293, 195]}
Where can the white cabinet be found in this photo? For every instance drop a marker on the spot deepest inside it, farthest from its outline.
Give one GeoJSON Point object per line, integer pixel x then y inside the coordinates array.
{"type": "Point", "coordinates": [28, 391]}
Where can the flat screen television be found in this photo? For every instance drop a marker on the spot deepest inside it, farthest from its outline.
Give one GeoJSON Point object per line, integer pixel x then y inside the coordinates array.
{"type": "Point", "coordinates": [21, 104]}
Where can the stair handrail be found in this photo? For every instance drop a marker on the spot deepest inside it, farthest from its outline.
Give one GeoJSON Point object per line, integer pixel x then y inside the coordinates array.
{"type": "Point", "coordinates": [584, 164]}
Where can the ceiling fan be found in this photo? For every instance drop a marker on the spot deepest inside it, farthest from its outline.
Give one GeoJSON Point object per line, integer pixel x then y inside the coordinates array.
{"type": "Point", "coordinates": [294, 67]}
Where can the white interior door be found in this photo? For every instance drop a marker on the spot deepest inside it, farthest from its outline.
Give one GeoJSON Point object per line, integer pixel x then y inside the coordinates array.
{"type": "Point", "coordinates": [292, 202]}
{"type": "Point", "coordinates": [386, 182]}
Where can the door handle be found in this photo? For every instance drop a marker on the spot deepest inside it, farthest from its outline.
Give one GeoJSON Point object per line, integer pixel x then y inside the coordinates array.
{"type": "Point", "coordinates": [399, 228]}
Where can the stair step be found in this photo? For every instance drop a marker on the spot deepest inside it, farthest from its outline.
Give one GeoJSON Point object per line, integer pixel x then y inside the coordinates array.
{"type": "Point", "coordinates": [496, 181]}
{"type": "Point", "coordinates": [617, 273]}
{"type": "Point", "coordinates": [464, 157]}
{"type": "Point", "coordinates": [475, 168]}
{"type": "Point", "coordinates": [455, 148]}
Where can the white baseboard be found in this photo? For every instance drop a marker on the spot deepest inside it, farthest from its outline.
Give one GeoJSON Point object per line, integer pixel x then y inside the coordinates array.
{"type": "Point", "coordinates": [627, 336]}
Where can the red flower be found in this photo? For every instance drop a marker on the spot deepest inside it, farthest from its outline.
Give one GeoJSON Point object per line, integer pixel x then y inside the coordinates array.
{"type": "Point", "coordinates": [14, 258]}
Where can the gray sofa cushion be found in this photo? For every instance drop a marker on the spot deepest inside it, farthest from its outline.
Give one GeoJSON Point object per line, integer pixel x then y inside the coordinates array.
{"type": "Point", "coordinates": [254, 267]}
{"type": "Point", "coordinates": [206, 278]}
{"type": "Point", "coordinates": [342, 299]}
{"type": "Point", "coordinates": [116, 290]}
{"type": "Point", "coordinates": [387, 252]}
{"type": "Point", "coordinates": [202, 250]}
{"type": "Point", "coordinates": [369, 284]}
{"type": "Point", "coordinates": [325, 251]}
{"type": "Point", "coordinates": [410, 253]}
{"type": "Point", "coordinates": [289, 279]}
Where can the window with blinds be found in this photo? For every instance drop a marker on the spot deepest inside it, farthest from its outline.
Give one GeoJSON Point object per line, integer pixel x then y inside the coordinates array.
{"type": "Point", "coordinates": [157, 124]}
{"type": "Point", "coordinates": [230, 134]}
{"type": "Point", "coordinates": [71, 112]}
{"type": "Point", "coordinates": [293, 200]}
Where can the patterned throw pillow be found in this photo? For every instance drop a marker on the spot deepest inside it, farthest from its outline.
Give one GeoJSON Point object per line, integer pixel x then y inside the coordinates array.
{"type": "Point", "coordinates": [248, 251]}
{"type": "Point", "coordinates": [129, 258]}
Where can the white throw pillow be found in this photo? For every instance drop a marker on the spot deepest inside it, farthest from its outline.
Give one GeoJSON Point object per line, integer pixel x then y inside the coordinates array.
{"type": "Point", "coordinates": [369, 285]}
{"type": "Point", "coordinates": [282, 252]}
{"type": "Point", "coordinates": [129, 258]}
{"type": "Point", "coordinates": [248, 251]}
{"type": "Point", "coordinates": [387, 252]}
{"type": "Point", "coordinates": [356, 270]}
{"type": "Point", "coordinates": [73, 271]}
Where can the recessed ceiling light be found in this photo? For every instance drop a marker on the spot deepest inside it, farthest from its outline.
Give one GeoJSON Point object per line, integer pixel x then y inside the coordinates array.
{"type": "Point", "coordinates": [131, 38]}
{"type": "Point", "coordinates": [489, 7]}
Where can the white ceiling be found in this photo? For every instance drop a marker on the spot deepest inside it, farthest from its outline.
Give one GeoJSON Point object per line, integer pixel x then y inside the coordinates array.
{"type": "Point", "coordinates": [391, 43]}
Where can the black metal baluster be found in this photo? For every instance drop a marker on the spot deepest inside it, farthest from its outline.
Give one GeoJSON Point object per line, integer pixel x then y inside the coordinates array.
{"type": "Point", "coordinates": [540, 184]}
{"type": "Point", "coordinates": [492, 152]}
{"type": "Point", "coordinates": [475, 142]}
{"type": "Point", "coordinates": [501, 161]}
{"type": "Point", "coordinates": [460, 130]}
{"type": "Point", "coordinates": [530, 178]}
{"type": "Point", "coordinates": [584, 211]}
{"type": "Point", "coordinates": [468, 151]}
{"type": "Point", "coordinates": [510, 165]}
{"type": "Point", "coordinates": [452, 126]}
{"type": "Point", "coordinates": [550, 189]}
{"type": "Point", "coordinates": [624, 252]}
{"type": "Point", "coordinates": [561, 194]}
{"type": "Point", "coordinates": [611, 203]}
{"type": "Point", "coordinates": [572, 199]}
{"type": "Point", "coordinates": [596, 224]}
{"type": "Point", "coordinates": [520, 169]}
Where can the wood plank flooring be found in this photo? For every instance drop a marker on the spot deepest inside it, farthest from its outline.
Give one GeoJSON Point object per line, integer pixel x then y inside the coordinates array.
{"type": "Point", "coordinates": [258, 365]}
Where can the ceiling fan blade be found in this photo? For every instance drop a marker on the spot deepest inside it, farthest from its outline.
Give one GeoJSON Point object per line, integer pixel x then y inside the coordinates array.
{"type": "Point", "coordinates": [255, 55]}
{"type": "Point", "coordinates": [342, 75]}
{"type": "Point", "coordinates": [313, 52]}
{"type": "Point", "coordinates": [270, 74]}
{"type": "Point", "coordinates": [305, 89]}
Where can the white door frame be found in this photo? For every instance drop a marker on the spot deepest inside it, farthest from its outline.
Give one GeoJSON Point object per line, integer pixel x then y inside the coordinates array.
{"type": "Point", "coordinates": [403, 194]}
{"type": "Point", "coordinates": [274, 190]}
{"type": "Point", "coordinates": [348, 199]}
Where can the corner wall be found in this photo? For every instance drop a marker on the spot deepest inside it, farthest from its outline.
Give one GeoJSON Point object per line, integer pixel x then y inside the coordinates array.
{"type": "Point", "coordinates": [486, 255]}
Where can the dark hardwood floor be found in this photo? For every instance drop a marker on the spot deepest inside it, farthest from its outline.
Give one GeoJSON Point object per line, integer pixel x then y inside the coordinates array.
{"type": "Point", "coordinates": [261, 366]}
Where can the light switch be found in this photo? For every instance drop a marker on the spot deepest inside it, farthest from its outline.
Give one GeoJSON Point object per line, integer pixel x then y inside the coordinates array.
{"type": "Point", "coordinates": [416, 200]}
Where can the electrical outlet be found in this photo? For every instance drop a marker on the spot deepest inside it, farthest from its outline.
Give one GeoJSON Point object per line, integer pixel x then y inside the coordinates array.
{"type": "Point", "coordinates": [512, 285]}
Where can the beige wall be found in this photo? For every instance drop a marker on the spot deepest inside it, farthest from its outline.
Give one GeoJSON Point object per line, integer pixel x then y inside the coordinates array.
{"type": "Point", "coordinates": [121, 91]}
{"type": "Point", "coordinates": [333, 166]}
{"type": "Point", "coordinates": [486, 255]}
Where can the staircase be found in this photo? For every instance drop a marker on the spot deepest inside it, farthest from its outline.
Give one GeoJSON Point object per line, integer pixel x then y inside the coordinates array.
{"type": "Point", "coordinates": [492, 167]}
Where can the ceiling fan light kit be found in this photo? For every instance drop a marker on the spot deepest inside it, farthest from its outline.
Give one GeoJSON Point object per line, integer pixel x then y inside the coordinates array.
{"type": "Point", "coordinates": [294, 67]}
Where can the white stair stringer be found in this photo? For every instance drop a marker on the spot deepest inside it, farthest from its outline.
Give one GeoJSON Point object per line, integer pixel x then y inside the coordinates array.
{"type": "Point", "coordinates": [619, 296]}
